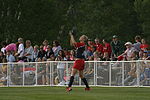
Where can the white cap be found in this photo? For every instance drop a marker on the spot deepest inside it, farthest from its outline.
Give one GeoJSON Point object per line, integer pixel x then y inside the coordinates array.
{"type": "Point", "coordinates": [128, 43]}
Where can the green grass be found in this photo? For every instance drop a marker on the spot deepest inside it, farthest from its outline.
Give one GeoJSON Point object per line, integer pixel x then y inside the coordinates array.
{"type": "Point", "coordinates": [58, 93]}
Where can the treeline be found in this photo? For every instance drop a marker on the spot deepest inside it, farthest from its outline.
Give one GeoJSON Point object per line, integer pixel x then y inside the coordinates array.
{"type": "Point", "coordinates": [37, 20]}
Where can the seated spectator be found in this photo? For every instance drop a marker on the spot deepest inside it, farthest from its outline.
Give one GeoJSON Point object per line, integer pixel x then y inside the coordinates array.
{"type": "Point", "coordinates": [35, 53]}
{"type": "Point", "coordinates": [45, 43]}
{"type": "Point", "coordinates": [56, 47]}
{"type": "Point", "coordinates": [96, 56]}
{"type": "Point", "coordinates": [41, 54]}
{"type": "Point", "coordinates": [49, 52]}
{"type": "Point", "coordinates": [28, 53]}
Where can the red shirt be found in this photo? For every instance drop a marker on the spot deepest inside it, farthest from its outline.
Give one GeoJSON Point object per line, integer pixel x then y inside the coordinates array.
{"type": "Point", "coordinates": [107, 48]}
{"type": "Point", "coordinates": [99, 47]}
{"type": "Point", "coordinates": [144, 46]}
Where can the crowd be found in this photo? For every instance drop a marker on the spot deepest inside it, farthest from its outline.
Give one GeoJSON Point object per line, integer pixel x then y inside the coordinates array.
{"type": "Point", "coordinates": [94, 50]}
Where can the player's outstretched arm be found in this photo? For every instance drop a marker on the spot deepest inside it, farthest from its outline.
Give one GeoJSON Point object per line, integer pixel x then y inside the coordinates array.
{"type": "Point", "coordinates": [72, 40]}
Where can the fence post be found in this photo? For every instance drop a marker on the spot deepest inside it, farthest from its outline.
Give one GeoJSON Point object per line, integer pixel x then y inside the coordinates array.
{"type": "Point", "coordinates": [94, 74]}
{"type": "Point", "coordinates": [23, 73]}
{"type": "Point", "coordinates": [138, 73]}
{"type": "Point", "coordinates": [36, 74]}
{"type": "Point", "coordinates": [109, 73]}
{"type": "Point", "coordinates": [122, 73]}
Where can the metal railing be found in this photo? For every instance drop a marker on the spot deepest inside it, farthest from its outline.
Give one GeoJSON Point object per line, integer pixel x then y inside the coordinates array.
{"type": "Point", "coordinates": [98, 73]}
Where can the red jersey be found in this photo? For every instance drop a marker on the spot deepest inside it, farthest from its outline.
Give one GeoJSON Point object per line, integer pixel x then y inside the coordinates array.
{"type": "Point", "coordinates": [99, 47]}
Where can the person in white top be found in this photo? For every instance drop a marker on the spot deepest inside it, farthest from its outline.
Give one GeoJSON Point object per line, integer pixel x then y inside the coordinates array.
{"type": "Point", "coordinates": [20, 51]}
{"type": "Point", "coordinates": [129, 51]}
{"type": "Point", "coordinates": [28, 53]}
{"type": "Point", "coordinates": [61, 67]}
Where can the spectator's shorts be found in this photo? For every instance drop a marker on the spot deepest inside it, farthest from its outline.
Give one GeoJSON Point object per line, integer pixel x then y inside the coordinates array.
{"type": "Point", "coordinates": [79, 64]}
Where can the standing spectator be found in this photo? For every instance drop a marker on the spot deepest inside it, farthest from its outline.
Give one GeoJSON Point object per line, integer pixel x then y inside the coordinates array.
{"type": "Point", "coordinates": [106, 48]}
{"type": "Point", "coordinates": [137, 44]}
{"type": "Point", "coordinates": [41, 54]}
{"type": "Point", "coordinates": [90, 45]}
{"type": "Point", "coordinates": [61, 67]}
{"type": "Point", "coordinates": [4, 44]}
{"type": "Point", "coordinates": [45, 43]}
{"type": "Point", "coordinates": [28, 51]}
{"type": "Point", "coordinates": [117, 47]}
{"type": "Point", "coordinates": [49, 52]}
{"type": "Point", "coordinates": [99, 47]}
{"type": "Point", "coordinates": [35, 52]}
{"type": "Point", "coordinates": [20, 51]}
{"type": "Point", "coordinates": [128, 52]}
{"type": "Point", "coordinates": [144, 46]}
{"type": "Point", "coordinates": [56, 47]}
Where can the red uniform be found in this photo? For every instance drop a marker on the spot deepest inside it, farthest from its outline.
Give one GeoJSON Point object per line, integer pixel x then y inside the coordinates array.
{"type": "Point", "coordinates": [79, 64]}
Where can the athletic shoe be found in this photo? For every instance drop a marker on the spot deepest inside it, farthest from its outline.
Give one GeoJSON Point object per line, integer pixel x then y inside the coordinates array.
{"type": "Point", "coordinates": [87, 89]}
{"type": "Point", "coordinates": [68, 89]}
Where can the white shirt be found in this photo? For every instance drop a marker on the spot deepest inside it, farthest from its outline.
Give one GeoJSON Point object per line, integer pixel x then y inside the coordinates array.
{"type": "Point", "coordinates": [3, 50]}
{"type": "Point", "coordinates": [21, 50]}
{"type": "Point", "coordinates": [29, 51]}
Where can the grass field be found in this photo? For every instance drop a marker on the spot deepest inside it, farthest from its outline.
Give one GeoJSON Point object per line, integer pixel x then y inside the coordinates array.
{"type": "Point", "coordinates": [58, 93]}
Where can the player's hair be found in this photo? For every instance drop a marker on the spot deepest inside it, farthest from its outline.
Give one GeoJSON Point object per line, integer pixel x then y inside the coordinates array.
{"type": "Point", "coordinates": [85, 37]}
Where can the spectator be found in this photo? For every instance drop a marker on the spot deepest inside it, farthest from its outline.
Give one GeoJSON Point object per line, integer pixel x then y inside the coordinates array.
{"type": "Point", "coordinates": [144, 46]}
{"type": "Point", "coordinates": [87, 53]}
{"type": "Point", "coordinates": [49, 52]}
{"type": "Point", "coordinates": [45, 43]}
{"type": "Point", "coordinates": [56, 47]}
{"type": "Point", "coordinates": [10, 57]}
{"type": "Point", "coordinates": [117, 47]}
{"type": "Point", "coordinates": [99, 47]}
{"type": "Point", "coordinates": [20, 51]}
{"type": "Point", "coordinates": [28, 54]}
{"type": "Point", "coordinates": [72, 55]}
{"type": "Point", "coordinates": [2, 56]}
{"type": "Point", "coordinates": [129, 51]}
{"type": "Point", "coordinates": [90, 45]}
{"type": "Point", "coordinates": [41, 54]}
{"type": "Point", "coordinates": [4, 44]}
{"type": "Point", "coordinates": [106, 48]}
{"type": "Point", "coordinates": [61, 67]}
{"type": "Point", "coordinates": [137, 44]}
{"type": "Point", "coordinates": [96, 56]}
{"type": "Point", "coordinates": [35, 53]}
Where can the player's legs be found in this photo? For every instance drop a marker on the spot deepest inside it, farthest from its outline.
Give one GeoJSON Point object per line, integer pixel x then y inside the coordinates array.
{"type": "Point", "coordinates": [83, 78]}
{"type": "Point", "coordinates": [74, 71]}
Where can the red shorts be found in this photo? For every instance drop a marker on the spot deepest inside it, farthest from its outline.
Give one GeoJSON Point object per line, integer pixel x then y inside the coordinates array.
{"type": "Point", "coordinates": [79, 64]}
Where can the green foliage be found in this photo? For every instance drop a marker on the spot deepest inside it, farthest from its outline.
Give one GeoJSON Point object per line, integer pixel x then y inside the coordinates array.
{"type": "Point", "coordinates": [37, 20]}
